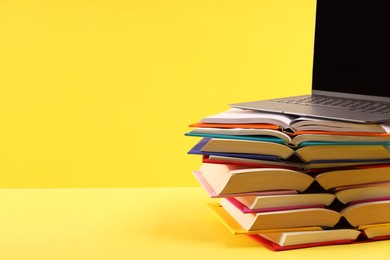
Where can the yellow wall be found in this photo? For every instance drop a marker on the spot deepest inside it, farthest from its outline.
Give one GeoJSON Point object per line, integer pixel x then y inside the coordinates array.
{"type": "Point", "coordinates": [100, 93]}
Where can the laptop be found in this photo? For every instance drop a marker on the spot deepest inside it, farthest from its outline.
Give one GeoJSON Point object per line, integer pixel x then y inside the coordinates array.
{"type": "Point", "coordinates": [351, 65]}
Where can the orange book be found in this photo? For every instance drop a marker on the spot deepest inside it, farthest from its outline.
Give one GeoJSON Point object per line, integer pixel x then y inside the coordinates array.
{"type": "Point", "coordinates": [254, 126]}
{"type": "Point", "coordinates": [291, 123]}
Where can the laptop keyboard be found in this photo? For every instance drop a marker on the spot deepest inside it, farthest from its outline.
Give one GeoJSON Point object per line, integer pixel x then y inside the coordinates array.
{"type": "Point", "coordinates": [343, 103]}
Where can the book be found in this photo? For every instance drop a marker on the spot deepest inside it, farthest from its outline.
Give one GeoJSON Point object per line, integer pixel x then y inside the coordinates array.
{"type": "Point", "coordinates": [376, 231]}
{"type": "Point", "coordinates": [275, 202]}
{"type": "Point", "coordinates": [370, 231]}
{"type": "Point", "coordinates": [363, 192]}
{"type": "Point", "coordinates": [296, 140]}
{"type": "Point", "coordinates": [221, 179]}
{"type": "Point", "coordinates": [283, 219]}
{"type": "Point", "coordinates": [307, 154]}
{"type": "Point", "coordinates": [307, 167]}
{"type": "Point", "coordinates": [274, 161]}
{"type": "Point", "coordinates": [268, 135]}
{"type": "Point", "coordinates": [229, 180]}
{"type": "Point", "coordinates": [198, 149]}
{"type": "Point", "coordinates": [291, 123]}
{"type": "Point", "coordinates": [286, 239]}
{"type": "Point", "coordinates": [350, 177]}
{"type": "Point", "coordinates": [233, 226]}
{"type": "Point", "coordinates": [234, 125]}
{"type": "Point", "coordinates": [368, 213]}
{"type": "Point", "coordinates": [241, 116]}
{"type": "Point", "coordinates": [331, 131]}
{"type": "Point", "coordinates": [276, 247]}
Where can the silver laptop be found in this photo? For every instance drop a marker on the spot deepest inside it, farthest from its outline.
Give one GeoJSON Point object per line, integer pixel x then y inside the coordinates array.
{"type": "Point", "coordinates": [351, 65]}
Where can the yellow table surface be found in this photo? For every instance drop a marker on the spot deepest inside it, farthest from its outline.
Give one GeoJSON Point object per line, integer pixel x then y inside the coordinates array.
{"type": "Point", "coordinates": [135, 223]}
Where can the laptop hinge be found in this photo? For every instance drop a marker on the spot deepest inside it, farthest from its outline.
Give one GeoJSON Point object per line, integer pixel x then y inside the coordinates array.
{"type": "Point", "coordinates": [347, 95]}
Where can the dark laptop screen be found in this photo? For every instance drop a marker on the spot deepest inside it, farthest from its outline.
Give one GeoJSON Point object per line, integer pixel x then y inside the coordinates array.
{"type": "Point", "coordinates": [351, 48]}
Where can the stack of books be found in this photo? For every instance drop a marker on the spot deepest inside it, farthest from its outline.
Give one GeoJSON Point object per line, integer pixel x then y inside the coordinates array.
{"type": "Point", "coordinates": [293, 182]}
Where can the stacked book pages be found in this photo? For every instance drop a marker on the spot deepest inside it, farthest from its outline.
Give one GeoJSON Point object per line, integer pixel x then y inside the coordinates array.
{"type": "Point", "coordinates": [295, 182]}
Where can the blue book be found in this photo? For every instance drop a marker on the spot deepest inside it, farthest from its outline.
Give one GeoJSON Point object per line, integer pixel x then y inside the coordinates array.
{"type": "Point", "coordinates": [299, 141]}
{"type": "Point", "coordinates": [329, 153]}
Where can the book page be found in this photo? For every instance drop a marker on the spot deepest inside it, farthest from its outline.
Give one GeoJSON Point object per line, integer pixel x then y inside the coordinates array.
{"type": "Point", "coordinates": [235, 115]}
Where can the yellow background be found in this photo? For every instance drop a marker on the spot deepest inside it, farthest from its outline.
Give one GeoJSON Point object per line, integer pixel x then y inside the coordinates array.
{"type": "Point", "coordinates": [100, 93]}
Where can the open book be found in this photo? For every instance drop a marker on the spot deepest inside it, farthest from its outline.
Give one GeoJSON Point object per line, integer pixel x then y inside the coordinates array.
{"type": "Point", "coordinates": [356, 215]}
{"type": "Point", "coordinates": [278, 200]}
{"type": "Point", "coordinates": [278, 241]}
{"type": "Point", "coordinates": [306, 167]}
{"type": "Point", "coordinates": [225, 180]}
{"type": "Point", "coordinates": [290, 240]}
{"type": "Point", "coordinates": [291, 123]}
{"type": "Point", "coordinates": [363, 192]}
{"type": "Point", "coordinates": [293, 140]}
{"type": "Point", "coordinates": [275, 151]}
{"type": "Point", "coordinates": [221, 180]}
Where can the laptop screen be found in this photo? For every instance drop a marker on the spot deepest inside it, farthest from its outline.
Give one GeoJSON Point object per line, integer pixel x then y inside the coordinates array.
{"type": "Point", "coordinates": [351, 48]}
